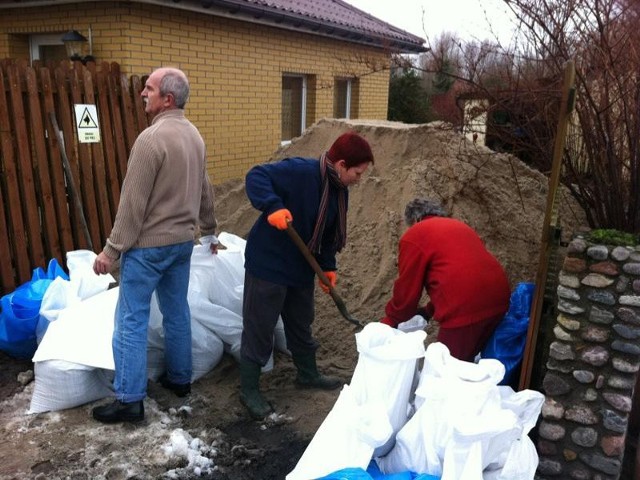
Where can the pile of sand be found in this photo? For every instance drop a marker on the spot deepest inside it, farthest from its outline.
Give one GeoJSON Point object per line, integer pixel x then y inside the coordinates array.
{"type": "Point", "coordinates": [497, 194]}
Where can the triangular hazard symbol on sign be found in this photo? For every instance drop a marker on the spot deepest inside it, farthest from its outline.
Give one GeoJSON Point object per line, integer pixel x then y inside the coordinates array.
{"type": "Point", "coordinates": [86, 120]}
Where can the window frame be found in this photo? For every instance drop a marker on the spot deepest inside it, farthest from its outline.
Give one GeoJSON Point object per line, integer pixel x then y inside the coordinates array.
{"type": "Point", "coordinates": [36, 40]}
{"type": "Point", "coordinates": [347, 102]}
{"type": "Point", "coordinates": [303, 105]}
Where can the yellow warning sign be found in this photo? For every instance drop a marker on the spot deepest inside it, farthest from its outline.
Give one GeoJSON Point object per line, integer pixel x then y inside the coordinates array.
{"type": "Point", "coordinates": [87, 123]}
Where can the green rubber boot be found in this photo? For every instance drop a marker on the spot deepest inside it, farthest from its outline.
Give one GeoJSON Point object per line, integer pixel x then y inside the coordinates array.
{"type": "Point", "coordinates": [250, 395]}
{"type": "Point", "coordinates": [308, 375]}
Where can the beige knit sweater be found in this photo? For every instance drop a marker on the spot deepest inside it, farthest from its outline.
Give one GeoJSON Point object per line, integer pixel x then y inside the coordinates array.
{"type": "Point", "coordinates": [166, 191]}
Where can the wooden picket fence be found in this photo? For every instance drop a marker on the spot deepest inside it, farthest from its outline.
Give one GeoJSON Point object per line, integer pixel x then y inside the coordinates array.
{"type": "Point", "coordinates": [60, 196]}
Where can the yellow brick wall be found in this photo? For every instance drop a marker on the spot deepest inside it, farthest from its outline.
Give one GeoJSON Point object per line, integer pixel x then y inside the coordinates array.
{"type": "Point", "coordinates": [235, 69]}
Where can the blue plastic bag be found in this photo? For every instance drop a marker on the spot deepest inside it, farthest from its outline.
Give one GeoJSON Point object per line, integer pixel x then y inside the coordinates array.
{"type": "Point", "coordinates": [53, 270]}
{"type": "Point", "coordinates": [373, 473]}
{"type": "Point", "coordinates": [21, 311]}
{"type": "Point", "coordinates": [348, 474]}
{"type": "Point", "coordinates": [376, 474]}
{"type": "Point", "coordinates": [508, 340]}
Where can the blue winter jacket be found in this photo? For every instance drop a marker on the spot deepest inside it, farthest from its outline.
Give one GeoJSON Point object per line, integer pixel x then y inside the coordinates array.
{"type": "Point", "coordinates": [294, 184]}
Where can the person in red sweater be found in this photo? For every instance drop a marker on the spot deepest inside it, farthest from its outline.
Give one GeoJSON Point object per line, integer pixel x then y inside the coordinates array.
{"type": "Point", "coordinates": [468, 289]}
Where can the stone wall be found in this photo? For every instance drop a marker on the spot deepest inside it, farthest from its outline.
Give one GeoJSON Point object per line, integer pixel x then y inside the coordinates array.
{"type": "Point", "coordinates": [592, 363]}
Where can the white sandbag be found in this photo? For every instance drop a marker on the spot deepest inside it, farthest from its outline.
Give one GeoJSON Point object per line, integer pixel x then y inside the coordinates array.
{"type": "Point", "coordinates": [452, 393]}
{"type": "Point", "coordinates": [82, 333]}
{"type": "Point", "coordinates": [227, 326]}
{"type": "Point", "coordinates": [478, 442]}
{"type": "Point", "coordinates": [59, 385]}
{"type": "Point", "coordinates": [216, 287]}
{"type": "Point", "coordinates": [73, 364]}
{"type": "Point", "coordinates": [279, 338]}
{"type": "Point", "coordinates": [59, 295]}
{"type": "Point", "coordinates": [440, 364]}
{"type": "Point", "coordinates": [346, 438]}
{"type": "Point", "coordinates": [520, 461]}
{"type": "Point", "coordinates": [415, 323]}
{"type": "Point", "coordinates": [385, 372]}
{"type": "Point", "coordinates": [230, 240]}
{"type": "Point", "coordinates": [494, 445]}
{"type": "Point", "coordinates": [526, 404]}
{"type": "Point", "coordinates": [219, 278]}
{"type": "Point", "coordinates": [155, 342]}
{"type": "Point", "coordinates": [206, 347]}
{"type": "Point", "coordinates": [85, 282]}
{"type": "Point", "coordinates": [206, 353]}
{"type": "Point", "coordinates": [225, 323]}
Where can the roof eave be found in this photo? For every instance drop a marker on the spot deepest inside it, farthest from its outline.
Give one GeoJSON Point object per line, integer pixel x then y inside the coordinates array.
{"type": "Point", "coordinates": [303, 23]}
{"type": "Point", "coordinates": [261, 15]}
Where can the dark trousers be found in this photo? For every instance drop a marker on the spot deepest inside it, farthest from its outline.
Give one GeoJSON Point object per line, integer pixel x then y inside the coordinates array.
{"type": "Point", "coordinates": [464, 343]}
{"type": "Point", "coordinates": [263, 302]}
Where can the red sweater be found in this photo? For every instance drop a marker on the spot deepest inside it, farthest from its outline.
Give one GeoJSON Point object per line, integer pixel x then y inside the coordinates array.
{"type": "Point", "coordinates": [465, 283]}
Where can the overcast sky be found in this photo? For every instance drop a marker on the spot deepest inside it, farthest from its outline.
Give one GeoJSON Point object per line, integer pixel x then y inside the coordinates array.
{"type": "Point", "coordinates": [468, 18]}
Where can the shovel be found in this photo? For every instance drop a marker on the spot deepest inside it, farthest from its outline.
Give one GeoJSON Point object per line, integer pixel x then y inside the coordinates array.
{"type": "Point", "coordinates": [323, 278]}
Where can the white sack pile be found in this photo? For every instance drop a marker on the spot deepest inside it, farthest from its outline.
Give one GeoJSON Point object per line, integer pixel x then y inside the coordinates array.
{"type": "Point", "coordinates": [74, 364]}
{"type": "Point", "coordinates": [453, 422]}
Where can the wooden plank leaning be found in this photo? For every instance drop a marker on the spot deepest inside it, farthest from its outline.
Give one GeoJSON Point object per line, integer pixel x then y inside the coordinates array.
{"type": "Point", "coordinates": [77, 202]}
{"type": "Point", "coordinates": [67, 124]}
{"type": "Point", "coordinates": [549, 226]}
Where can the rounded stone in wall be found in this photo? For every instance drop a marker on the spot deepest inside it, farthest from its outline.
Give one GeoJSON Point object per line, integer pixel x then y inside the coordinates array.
{"type": "Point", "coordinates": [584, 436]}
{"type": "Point", "coordinates": [555, 385]}
{"type": "Point", "coordinates": [551, 431]}
{"type": "Point", "coordinates": [547, 466]}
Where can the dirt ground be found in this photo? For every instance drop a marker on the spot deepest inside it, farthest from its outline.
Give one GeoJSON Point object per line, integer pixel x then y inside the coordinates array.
{"type": "Point", "coordinates": [500, 197]}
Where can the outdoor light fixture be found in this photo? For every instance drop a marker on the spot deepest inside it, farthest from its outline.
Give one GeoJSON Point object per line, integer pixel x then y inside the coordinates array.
{"type": "Point", "coordinates": [75, 43]}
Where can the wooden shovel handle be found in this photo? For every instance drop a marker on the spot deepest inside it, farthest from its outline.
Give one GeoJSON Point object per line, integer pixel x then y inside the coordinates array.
{"type": "Point", "coordinates": [323, 278]}
{"type": "Point", "coordinates": [308, 255]}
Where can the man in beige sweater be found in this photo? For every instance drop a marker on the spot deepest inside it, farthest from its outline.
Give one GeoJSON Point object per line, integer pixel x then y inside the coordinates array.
{"type": "Point", "coordinates": [165, 195]}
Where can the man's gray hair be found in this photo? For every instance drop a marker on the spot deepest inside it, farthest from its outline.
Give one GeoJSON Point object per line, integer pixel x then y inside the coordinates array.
{"type": "Point", "coordinates": [176, 83]}
{"type": "Point", "coordinates": [419, 208]}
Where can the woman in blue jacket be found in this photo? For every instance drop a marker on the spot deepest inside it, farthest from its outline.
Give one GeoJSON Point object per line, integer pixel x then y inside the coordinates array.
{"type": "Point", "coordinates": [312, 195]}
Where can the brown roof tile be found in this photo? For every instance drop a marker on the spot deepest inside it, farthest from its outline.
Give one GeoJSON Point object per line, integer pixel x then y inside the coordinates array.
{"type": "Point", "coordinates": [333, 18]}
{"type": "Point", "coordinates": [340, 13]}
{"type": "Point", "coordinates": [342, 16]}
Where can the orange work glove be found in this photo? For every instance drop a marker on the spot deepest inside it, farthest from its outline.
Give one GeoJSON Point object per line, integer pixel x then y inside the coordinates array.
{"type": "Point", "coordinates": [333, 280]}
{"type": "Point", "coordinates": [278, 219]}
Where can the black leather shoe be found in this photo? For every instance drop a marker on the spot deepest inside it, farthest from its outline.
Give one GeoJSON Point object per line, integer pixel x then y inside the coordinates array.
{"type": "Point", "coordinates": [180, 389]}
{"type": "Point", "coordinates": [120, 412]}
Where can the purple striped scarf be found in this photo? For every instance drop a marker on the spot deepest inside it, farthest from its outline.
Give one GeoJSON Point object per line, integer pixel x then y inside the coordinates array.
{"type": "Point", "coordinates": [329, 176]}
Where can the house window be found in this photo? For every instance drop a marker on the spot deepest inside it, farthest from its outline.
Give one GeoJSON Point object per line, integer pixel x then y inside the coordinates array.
{"type": "Point", "coordinates": [47, 47]}
{"type": "Point", "coordinates": [342, 98]}
{"type": "Point", "coordinates": [294, 106]}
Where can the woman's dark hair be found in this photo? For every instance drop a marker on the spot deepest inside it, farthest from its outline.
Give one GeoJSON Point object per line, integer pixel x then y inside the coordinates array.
{"type": "Point", "coordinates": [351, 148]}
